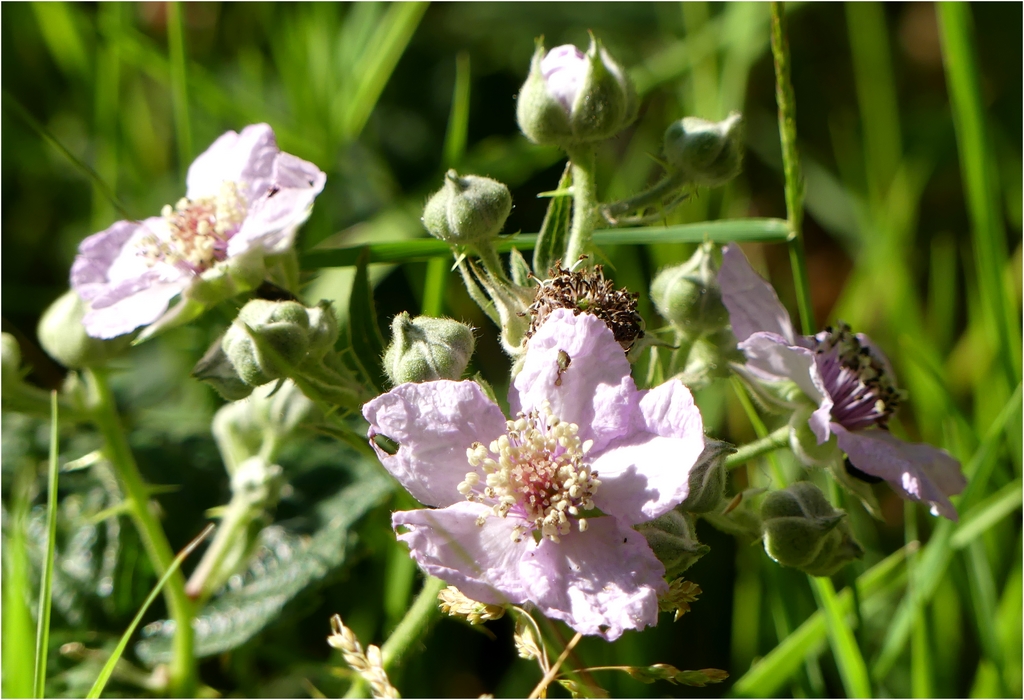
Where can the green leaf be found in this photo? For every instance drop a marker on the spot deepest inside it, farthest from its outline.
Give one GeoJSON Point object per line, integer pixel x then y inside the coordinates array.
{"type": "Point", "coordinates": [554, 231]}
{"type": "Point", "coordinates": [108, 667]}
{"type": "Point", "coordinates": [364, 333]}
{"type": "Point", "coordinates": [284, 565]}
{"type": "Point", "coordinates": [850, 661]}
{"type": "Point", "coordinates": [990, 511]}
{"type": "Point", "coordinates": [46, 580]}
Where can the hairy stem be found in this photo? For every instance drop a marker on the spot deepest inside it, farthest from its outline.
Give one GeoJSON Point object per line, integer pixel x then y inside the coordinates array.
{"type": "Point", "coordinates": [791, 168]}
{"type": "Point", "coordinates": [158, 549]}
{"type": "Point", "coordinates": [584, 203]}
{"type": "Point", "coordinates": [753, 450]}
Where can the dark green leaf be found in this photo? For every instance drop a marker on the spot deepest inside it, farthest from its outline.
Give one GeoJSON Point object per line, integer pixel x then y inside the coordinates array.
{"type": "Point", "coordinates": [554, 232]}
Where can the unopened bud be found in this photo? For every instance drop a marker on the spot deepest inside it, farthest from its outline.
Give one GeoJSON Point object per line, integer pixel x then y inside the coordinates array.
{"type": "Point", "coordinates": [707, 153]}
{"type": "Point", "coordinates": [282, 330]}
{"type": "Point", "coordinates": [804, 531]}
{"type": "Point", "coordinates": [425, 349]}
{"type": "Point", "coordinates": [688, 295]}
{"type": "Point", "coordinates": [571, 97]}
{"type": "Point", "coordinates": [707, 478]}
{"type": "Point", "coordinates": [11, 360]}
{"type": "Point", "coordinates": [63, 337]}
{"type": "Point", "coordinates": [673, 539]}
{"type": "Point", "coordinates": [468, 210]}
{"type": "Point", "coordinates": [217, 370]}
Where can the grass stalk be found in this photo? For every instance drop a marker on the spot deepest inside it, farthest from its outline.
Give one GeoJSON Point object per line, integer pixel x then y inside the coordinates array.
{"type": "Point", "coordinates": [179, 84]}
{"type": "Point", "coordinates": [46, 580]}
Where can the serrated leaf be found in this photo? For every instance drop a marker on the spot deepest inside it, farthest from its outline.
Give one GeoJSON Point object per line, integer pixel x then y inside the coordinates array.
{"type": "Point", "coordinates": [364, 333]}
{"type": "Point", "coordinates": [284, 565]}
{"type": "Point", "coordinates": [554, 232]}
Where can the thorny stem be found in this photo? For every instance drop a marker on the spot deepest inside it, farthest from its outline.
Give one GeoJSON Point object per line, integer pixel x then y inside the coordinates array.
{"type": "Point", "coordinates": [553, 671]}
{"type": "Point", "coordinates": [584, 203]}
{"type": "Point", "coordinates": [791, 167]}
{"type": "Point", "coordinates": [104, 415]}
{"type": "Point", "coordinates": [423, 612]}
{"type": "Point", "coordinates": [753, 450]}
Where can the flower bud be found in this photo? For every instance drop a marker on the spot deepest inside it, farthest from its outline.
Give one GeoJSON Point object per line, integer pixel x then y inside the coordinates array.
{"type": "Point", "coordinates": [216, 369]}
{"type": "Point", "coordinates": [571, 98]}
{"type": "Point", "coordinates": [62, 335]}
{"type": "Point", "coordinates": [673, 540]}
{"type": "Point", "coordinates": [709, 357]}
{"type": "Point", "coordinates": [708, 153]}
{"type": "Point", "coordinates": [688, 294]}
{"type": "Point", "coordinates": [282, 330]}
{"type": "Point", "coordinates": [804, 442]}
{"type": "Point", "coordinates": [425, 349]}
{"type": "Point", "coordinates": [707, 478]}
{"type": "Point", "coordinates": [804, 531]}
{"type": "Point", "coordinates": [11, 360]}
{"type": "Point", "coordinates": [323, 329]}
{"type": "Point", "coordinates": [468, 210]}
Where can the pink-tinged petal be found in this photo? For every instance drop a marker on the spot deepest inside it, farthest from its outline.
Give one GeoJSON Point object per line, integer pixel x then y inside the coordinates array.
{"type": "Point", "coordinates": [481, 560]}
{"type": "Point", "coordinates": [595, 390]}
{"type": "Point", "coordinates": [275, 215]}
{"type": "Point", "coordinates": [565, 69]}
{"type": "Point", "coordinates": [147, 301]}
{"type": "Point", "coordinates": [434, 423]}
{"type": "Point", "coordinates": [246, 158]}
{"type": "Point", "coordinates": [771, 357]}
{"type": "Point", "coordinates": [752, 303]}
{"type": "Point", "coordinates": [602, 581]}
{"type": "Point", "coordinates": [915, 470]}
{"type": "Point", "coordinates": [646, 474]}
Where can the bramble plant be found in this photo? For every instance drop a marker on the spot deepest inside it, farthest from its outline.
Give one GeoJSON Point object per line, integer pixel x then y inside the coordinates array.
{"type": "Point", "coordinates": [564, 454]}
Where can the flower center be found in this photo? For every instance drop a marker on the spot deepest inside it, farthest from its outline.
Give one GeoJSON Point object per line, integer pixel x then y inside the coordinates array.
{"type": "Point", "coordinates": [536, 472]}
{"type": "Point", "coordinates": [863, 391]}
{"type": "Point", "coordinates": [199, 229]}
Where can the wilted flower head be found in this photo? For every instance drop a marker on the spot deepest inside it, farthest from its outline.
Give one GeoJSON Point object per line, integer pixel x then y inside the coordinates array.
{"type": "Point", "coordinates": [849, 379]}
{"type": "Point", "coordinates": [571, 97]}
{"type": "Point", "coordinates": [511, 501]}
{"type": "Point", "coordinates": [245, 199]}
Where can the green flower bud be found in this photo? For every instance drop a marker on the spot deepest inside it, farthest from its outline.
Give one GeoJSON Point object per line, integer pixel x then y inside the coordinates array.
{"type": "Point", "coordinates": [11, 360]}
{"type": "Point", "coordinates": [673, 539]}
{"type": "Point", "coordinates": [468, 210]}
{"type": "Point", "coordinates": [571, 98]}
{"type": "Point", "coordinates": [63, 337]}
{"type": "Point", "coordinates": [707, 478]}
{"type": "Point", "coordinates": [707, 153]}
{"type": "Point", "coordinates": [323, 329]}
{"type": "Point", "coordinates": [425, 349]}
{"type": "Point", "coordinates": [804, 531]}
{"type": "Point", "coordinates": [804, 442]}
{"type": "Point", "coordinates": [688, 295]}
{"type": "Point", "coordinates": [283, 331]}
{"type": "Point", "coordinates": [216, 369]}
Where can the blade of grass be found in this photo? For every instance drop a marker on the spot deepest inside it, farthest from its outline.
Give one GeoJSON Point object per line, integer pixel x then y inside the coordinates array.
{"type": "Point", "coordinates": [772, 671]}
{"type": "Point", "coordinates": [18, 636]}
{"type": "Point", "coordinates": [46, 580]}
{"type": "Point", "coordinates": [987, 513]}
{"type": "Point", "coordinates": [984, 600]}
{"type": "Point", "coordinates": [852, 668]}
{"type": "Point", "coordinates": [982, 189]}
{"type": "Point", "coordinates": [57, 25]}
{"type": "Point", "coordinates": [920, 663]}
{"type": "Point", "coordinates": [115, 656]}
{"type": "Point", "coordinates": [386, 46]}
{"type": "Point", "coordinates": [744, 230]}
{"type": "Point", "coordinates": [179, 85]}
{"type": "Point", "coordinates": [458, 119]}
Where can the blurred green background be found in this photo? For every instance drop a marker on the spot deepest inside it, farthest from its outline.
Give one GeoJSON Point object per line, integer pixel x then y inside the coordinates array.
{"type": "Point", "coordinates": [365, 91]}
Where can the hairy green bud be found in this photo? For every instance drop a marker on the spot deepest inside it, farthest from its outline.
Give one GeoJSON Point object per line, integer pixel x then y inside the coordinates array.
{"type": "Point", "coordinates": [804, 531]}
{"type": "Point", "coordinates": [707, 478]}
{"type": "Point", "coordinates": [467, 210]}
{"type": "Point", "coordinates": [688, 295]}
{"type": "Point", "coordinates": [425, 349]}
{"type": "Point", "coordinates": [673, 539]}
{"type": "Point", "coordinates": [707, 153]}
{"type": "Point", "coordinates": [63, 337]}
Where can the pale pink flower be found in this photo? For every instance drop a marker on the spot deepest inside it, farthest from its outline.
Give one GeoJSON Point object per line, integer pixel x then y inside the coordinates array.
{"type": "Point", "coordinates": [512, 514]}
{"type": "Point", "coordinates": [244, 199]}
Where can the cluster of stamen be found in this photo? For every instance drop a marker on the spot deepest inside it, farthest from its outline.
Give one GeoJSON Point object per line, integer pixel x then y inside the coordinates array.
{"type": "Point", "coordinates": [536, 472]}
{"type": "Point", "coordinates": [587, 290]}
{"type": "Point", "coordinates": [863, 390]}
{"type": "Point", "coordinates": [199, 229]}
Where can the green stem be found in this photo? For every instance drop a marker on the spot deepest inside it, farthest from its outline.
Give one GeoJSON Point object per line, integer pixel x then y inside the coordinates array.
{"type": "Point", "coordinates": [655, 193]}
{"type": "Point", "coordinates": [104, 414]}
{"type": "Point", "coordinates": [46, 580]}
{"type": "Point", "coordinates": [179, 85]}
{"type": "Point", "coordinates": [753, 450]}
{"type": "Point", "coordinates": [791, 167]}
{"type": "Point", "coordinates": [421, 615]}
{"type": "Point", "coordinates": [584, 203]}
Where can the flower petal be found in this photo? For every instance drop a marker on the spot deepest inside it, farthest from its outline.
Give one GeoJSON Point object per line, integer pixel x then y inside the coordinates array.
{"type": "Point", "coordinates": [915, 470]}
{"type": "Point", "coordinates": [482, 560]}
{"type": "Point", "coordinates": [602, 581]}
{"type": "Point", "coordinates": [595, 390]}
{"type": "Point", "coordinates": [246, 158]}
{"type": "Point", "coordinates": [433, 423]}
{"type": "Point", "coordinates": [752, 303]}
{"type": "Point", "coordinates": [646, 474]}
{"type": "Point", "coordinates": [565, 69]}
{"type": "Point", "coordinates": [276, 214]}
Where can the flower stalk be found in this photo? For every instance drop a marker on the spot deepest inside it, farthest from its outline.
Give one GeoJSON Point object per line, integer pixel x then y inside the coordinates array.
{"type": "Point", "coordinates": [158, 549]}
{"type": "Point", "coordinates": [752, 450]}
{"type": "Point", "coordinates": [791, 167]}
{"type": "Point", "coordinates": [584, 202]}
